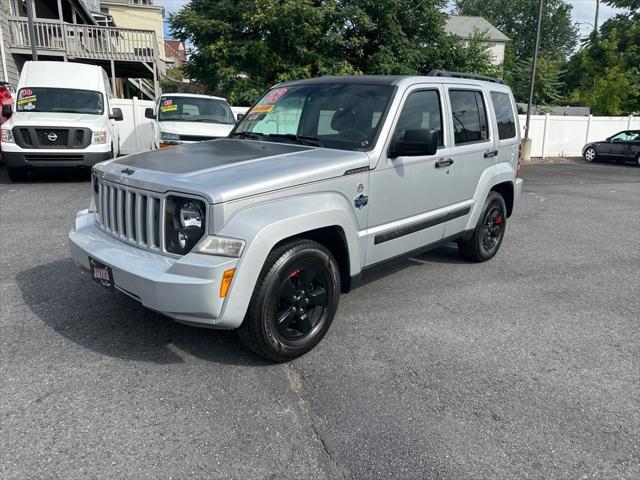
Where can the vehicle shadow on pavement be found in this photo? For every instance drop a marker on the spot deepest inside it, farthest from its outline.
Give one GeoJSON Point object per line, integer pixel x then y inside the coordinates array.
{"type": "Point", "coordinates": [110, 323]}
{"type": "Point", "coordinates": [52, 175]}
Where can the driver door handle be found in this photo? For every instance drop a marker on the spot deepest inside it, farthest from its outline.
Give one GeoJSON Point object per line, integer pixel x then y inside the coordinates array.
{"type": "Point", "coordinates": [490, 153]}
{"type": "Point", "coordinates": [444, 162]}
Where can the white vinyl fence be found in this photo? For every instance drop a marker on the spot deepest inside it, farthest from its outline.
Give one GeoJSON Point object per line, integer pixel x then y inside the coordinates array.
{"type": "Point", "coordinates": [555, 136]}
{"type": "Point", "coordinates": [136, 131]}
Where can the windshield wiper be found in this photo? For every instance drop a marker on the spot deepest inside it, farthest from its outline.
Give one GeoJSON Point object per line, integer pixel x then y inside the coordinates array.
{"type": "Point", "coordinates": [301, 139]}
{"type": "Point", "coordinates": [251, 135]}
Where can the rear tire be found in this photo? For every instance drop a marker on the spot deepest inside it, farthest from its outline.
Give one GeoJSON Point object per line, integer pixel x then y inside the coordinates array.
{"type": "Point", "coordinates": [17, 174]}
{"type": "Point", "coordinates": [489, 232]}
{"type": "Point", "coordinates": [590, 154]}
{"type": "Point", "coordinates": [294, 301]}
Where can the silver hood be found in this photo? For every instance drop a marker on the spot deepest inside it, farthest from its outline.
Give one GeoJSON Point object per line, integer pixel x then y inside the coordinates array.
{"type": "Point", "coordinates": [229, 169]}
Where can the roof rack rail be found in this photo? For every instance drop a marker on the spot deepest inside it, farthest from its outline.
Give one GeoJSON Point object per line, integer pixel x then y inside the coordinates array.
{"type": "Point", "coordinates": [473, 76]}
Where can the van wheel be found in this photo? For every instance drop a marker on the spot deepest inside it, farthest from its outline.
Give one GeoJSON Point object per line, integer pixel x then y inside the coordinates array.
{"type": "Point", "coordinates": [488, 234]}
{"type": "Point", "coordinates": [17, 174]}
{"type": "Point", "coordinates": [294, 301]}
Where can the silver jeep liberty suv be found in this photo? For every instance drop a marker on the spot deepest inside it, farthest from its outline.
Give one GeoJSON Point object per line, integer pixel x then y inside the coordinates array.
{"type": "Point", "coordinates": [321, 180]}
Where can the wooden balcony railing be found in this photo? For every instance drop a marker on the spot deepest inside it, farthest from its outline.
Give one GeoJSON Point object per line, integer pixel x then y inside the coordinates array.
{"type": "Point", "coordinates": [85, 41]}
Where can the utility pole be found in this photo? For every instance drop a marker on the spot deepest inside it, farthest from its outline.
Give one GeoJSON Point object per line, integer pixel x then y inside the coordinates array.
{"type": "Point", "coordinates": [595, 24]}
{"type": "Point", "coordinates": [534, 62]}
{"type": "Point", "coordinates": [32, 36]}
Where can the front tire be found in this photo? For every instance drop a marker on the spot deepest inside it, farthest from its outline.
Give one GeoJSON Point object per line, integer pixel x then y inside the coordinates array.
{"type": "Point", "coordinates": [489, 232]}
{"type": "Point", "coordinates": [294, 301]}
{"type": "Point", "coordinates": [590, 154]}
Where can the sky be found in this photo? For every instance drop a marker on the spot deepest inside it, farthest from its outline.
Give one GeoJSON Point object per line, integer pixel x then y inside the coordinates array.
{"type": "Point", "coordinates": [583, 12]}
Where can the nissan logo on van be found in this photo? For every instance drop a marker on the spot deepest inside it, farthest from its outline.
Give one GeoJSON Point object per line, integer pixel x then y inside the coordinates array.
{"type": "Point", "coordinates": [52, 137]}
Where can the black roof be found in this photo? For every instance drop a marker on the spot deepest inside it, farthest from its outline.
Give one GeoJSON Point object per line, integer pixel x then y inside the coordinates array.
{"type": "Point", "coordinates": [386, 79]}
{"type": "Point", "coordinates": [354, 79]}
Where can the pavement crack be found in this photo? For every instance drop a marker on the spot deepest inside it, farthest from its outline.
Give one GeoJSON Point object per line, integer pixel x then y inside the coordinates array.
{"type": "Point", "coordinates": [295, 383]}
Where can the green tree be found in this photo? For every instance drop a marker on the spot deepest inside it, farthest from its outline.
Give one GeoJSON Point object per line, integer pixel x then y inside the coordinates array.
{"type": "Point", "coordinates": [518, 20]}
{"type": "Point", "coordinates": [605, 74]}
{"type": "Point", "coordinates": [242, 47]}
{"type": "Point", "coordinates": [633, 5]}
{"type": "Point", "coordinates": [548, 81]}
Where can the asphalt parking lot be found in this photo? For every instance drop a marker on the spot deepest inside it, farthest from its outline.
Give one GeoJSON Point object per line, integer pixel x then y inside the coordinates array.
{"type": "Point", "coordinates": [523, 367]}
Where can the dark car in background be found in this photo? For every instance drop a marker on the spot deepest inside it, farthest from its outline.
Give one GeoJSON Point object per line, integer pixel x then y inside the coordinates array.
{"type": "Point", "coordinates": [621, 147]}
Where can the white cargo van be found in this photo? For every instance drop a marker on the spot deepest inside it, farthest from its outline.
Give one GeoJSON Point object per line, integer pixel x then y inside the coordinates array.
{"type": "Point", "coordinates": [61, 118]}
{"type": "Point", "coordinates": [188, 118]}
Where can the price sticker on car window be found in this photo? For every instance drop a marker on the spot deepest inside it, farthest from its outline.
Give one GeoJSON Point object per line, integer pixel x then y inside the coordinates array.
{"type": "Point", "coordinates": [168, 106]}
{"type": "Point", "coordinates": [266, 108]}
{"type": "Point", "coordinates": [26, 96]}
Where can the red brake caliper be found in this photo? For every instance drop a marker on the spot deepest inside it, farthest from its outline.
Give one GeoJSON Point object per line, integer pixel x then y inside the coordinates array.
{"type": "Point", "coordinates": [498, 220]}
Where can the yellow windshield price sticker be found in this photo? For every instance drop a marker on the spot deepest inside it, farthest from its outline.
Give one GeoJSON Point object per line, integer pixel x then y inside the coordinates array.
{"type": "Point", "coordinates": [262, 108]}
{"type": "Point", "coordinates": [26, 100]}
{"type": "Point", "coordinates": [168, 108]}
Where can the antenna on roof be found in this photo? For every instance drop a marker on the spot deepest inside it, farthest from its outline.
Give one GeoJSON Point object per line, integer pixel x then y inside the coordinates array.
{"type": "Point", "coordinates": [472, 76]}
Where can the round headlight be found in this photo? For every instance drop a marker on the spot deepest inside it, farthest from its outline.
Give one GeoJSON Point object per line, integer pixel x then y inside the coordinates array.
{"type": "Point", "coordinates": [190, 215]}
{"type": "Point", "coordinates": [185, 220]}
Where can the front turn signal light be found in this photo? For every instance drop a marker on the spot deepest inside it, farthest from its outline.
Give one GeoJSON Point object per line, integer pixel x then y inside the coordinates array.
{"type": "Point", "coordinates": [227, 276]}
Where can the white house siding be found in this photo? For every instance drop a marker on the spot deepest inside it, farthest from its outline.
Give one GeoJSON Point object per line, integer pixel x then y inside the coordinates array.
{"type": "Point", "coordinates": [7, 60]}
{"type": "Point", "coordinates": [497, 53]}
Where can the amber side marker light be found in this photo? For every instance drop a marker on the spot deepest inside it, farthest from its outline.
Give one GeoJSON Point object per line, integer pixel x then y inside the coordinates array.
{"type": "Point", "coordinates": [167, 145]}
{"type": "Point", "coordinates": [227, 276]}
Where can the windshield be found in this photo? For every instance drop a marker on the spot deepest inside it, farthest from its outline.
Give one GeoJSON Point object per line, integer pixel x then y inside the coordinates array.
{"type": "Point", "coordinates": [194, 109]}
{"type": "Point", "coordinates": [61, 100]}
{"type": "Point", "coordinates": [331, 115]}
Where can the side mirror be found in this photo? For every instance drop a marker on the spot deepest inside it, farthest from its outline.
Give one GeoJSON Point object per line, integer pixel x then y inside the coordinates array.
{"type": "Point", "coordinates": [7, 111]}
{"type": "Point", "coordinates": [148, 113]}
{"type": "Point", "coordinates": [116, 115]}
{"type": "Point", "coordinates": [240, 116]}
{"type": "Point", "coordinates": [416, 143]}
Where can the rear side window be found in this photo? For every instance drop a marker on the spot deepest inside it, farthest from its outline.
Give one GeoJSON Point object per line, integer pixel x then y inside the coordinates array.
{"type": "Point", "coordinates": [469, 116]}
{"type": "Point", "coordinates": [504, 115]}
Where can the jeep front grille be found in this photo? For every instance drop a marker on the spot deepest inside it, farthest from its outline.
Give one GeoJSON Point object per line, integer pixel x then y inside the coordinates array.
{"type": "Point", "coordinates": [132, 215]}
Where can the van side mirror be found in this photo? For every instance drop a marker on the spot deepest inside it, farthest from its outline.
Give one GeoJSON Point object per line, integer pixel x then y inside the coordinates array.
{"type": "Point", "coordinates": [7, 111]}
{"type": "Point", "coordinates": [116, 115]}
{"type": "Point", "coordinates": [416, 143]}
{"type": "Point", "coordinates": [240, 116]}
{"type": "Point", "coordinates": [148, 113]}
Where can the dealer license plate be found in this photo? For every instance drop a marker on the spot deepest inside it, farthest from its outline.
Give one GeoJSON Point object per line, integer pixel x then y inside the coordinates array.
{"type": "Point", "coordinates": [101, 273]}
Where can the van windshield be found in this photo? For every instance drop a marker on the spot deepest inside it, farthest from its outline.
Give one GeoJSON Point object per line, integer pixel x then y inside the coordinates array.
{"type": "Point", "coordinates": [60, 100]}
{"type": "Point", "coordinates": [330, 115]}
{"type": "Point", "coordinates": [194, 109]}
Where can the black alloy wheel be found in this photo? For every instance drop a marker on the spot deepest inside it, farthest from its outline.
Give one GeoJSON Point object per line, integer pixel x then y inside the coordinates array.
{"type": "Point", "coordinates": [302, 302]}
{"type": "Point", "coordinates": [294, 301]}
{"type": "Point", "coordinates": [492, 229]}
{"type": "Point", "coordinates": [487, 237]}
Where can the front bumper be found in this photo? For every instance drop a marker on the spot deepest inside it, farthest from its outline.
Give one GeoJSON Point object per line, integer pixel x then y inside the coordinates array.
{"type": "Point", "coordinates": [47, 159]}
{"type": "Point", "coordinates": [186, 288]}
